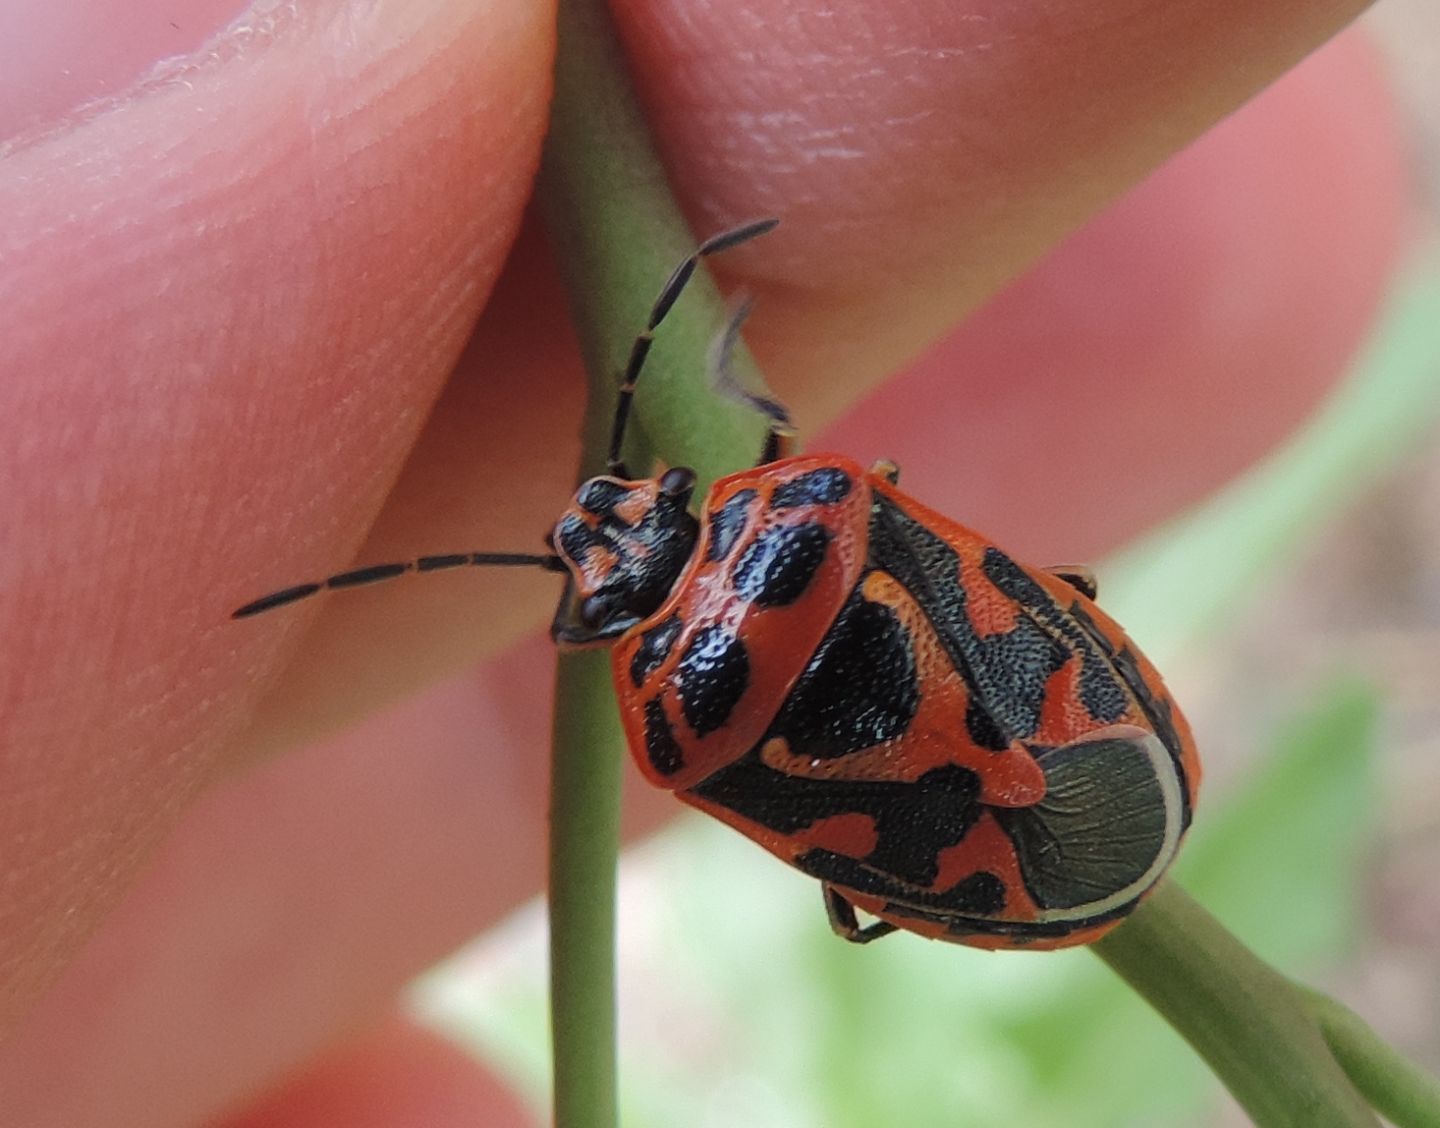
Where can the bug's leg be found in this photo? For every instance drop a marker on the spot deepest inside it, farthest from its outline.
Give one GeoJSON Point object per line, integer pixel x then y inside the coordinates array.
{"type": "Point", "coordinates": [844, 923]}
{"type": "Point", "coordinates": [375, 573]}
{"type": "Point", "coordinates": [1081, 578]}
{"type": "Point", "coordinates": [723, 379]}
{"type": "Point", "coordinates": [886, 469]}
{"type": "Point", "coordinates": [669, 293]}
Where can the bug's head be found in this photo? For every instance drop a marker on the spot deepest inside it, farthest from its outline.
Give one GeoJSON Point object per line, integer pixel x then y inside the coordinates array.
{"type": "Point", "coordinates": [625, 544]}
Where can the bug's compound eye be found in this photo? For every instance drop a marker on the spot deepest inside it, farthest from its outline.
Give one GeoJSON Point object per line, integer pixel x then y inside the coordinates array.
{"type": "Point", "coordinates": [595, 609]}
{"type": "Point", "coordinates": [678, 481]}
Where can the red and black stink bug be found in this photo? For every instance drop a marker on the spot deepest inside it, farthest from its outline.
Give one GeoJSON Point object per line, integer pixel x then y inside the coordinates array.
{"type": "Point", "coordinates": [961, 745]}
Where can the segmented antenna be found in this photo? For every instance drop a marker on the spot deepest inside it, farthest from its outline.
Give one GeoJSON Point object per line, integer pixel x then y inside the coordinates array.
{"type": "Point", "coordinates": [669, 294]}
{"type": "Point", "coordinates": [376, 573]}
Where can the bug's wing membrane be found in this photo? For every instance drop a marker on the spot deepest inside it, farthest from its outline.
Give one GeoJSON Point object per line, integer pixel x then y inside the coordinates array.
{"type": "Point", "coordinates": [1109, 823]}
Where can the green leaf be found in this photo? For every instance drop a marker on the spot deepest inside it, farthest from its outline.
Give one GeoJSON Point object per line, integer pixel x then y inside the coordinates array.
{"type": "Point", "coordinates": [1280, 864]}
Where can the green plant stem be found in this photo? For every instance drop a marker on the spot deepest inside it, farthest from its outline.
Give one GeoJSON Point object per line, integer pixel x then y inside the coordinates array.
{"type": "Point", "coordinates": [1398, 1089]}
{"type": "Point", "coordinates": [1291, 1056]}
{"type": "Point", "coordinates": [616, 233]}
{"type": "Point", "coordinates": [584, 840]}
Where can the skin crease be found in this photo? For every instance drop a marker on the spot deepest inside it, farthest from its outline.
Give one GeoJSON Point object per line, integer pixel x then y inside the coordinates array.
{"type": "Point", "coordinates": [268, 342]}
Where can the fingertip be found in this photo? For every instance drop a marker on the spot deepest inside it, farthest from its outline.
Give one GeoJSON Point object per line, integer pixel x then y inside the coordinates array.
{"type": "Point", "coordinates": [52, 60]}
{"type": "Point", "coordinates": [228, 296]}
{"type": "Point", "coordinates": [1175, 339]}
{"type": "Point", "coordinates": [396, 1075]}
{"type": "Point", "coordinates": [922, 153]}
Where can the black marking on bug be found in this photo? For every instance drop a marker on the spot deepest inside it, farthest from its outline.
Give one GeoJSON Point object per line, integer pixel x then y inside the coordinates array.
{"type": "Point", "coordinates": [714, 674]}
{"type": "Point", "coordinates": [914, 821]}
{"type": "Point", "coordinates": [858, 690]}
{"type": "Point", "coordinates": [1005, 673]}
{"type": "Point", "coordinates": [982, 728]}
{"type": "Point", "coordinates": [599, 496]}
{"type": "Point", "coordinates": [726, 524]}
{"type": "Point", "coordinates": [981, 893]}
{"type": "Point", "coordinates": [778, 565]}
{"type": "Point", "coordinates": [575, 537]}
{"type": "Point", "coordinates": [1020, 661]}
{"type": "Point", "coordinates": [654, 648]}
{"type": "Point", "coordinates": [824, 486]}
{"type": "Point", "coordinates": [661, 748]}
{"type": "Point", "coordinates": [1101, 693]}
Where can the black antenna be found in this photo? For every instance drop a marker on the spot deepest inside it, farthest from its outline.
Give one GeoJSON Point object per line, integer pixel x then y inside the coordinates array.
{"type": "Point", "coordinates": [669, 293]}
{"type": "Point", "coordinates": [376, 573]}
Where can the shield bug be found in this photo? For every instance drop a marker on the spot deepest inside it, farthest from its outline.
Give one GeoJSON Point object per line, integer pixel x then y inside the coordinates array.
{"type": "Point", "coordinates": [959, 744]}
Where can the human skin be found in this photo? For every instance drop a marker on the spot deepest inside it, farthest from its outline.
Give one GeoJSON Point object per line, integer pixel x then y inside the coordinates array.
{"type": "Point", "coordinates": [227, 304]}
